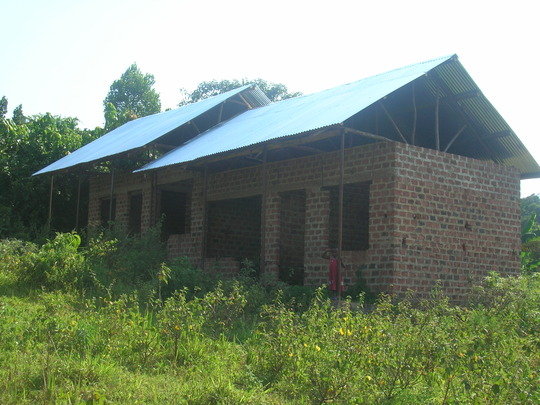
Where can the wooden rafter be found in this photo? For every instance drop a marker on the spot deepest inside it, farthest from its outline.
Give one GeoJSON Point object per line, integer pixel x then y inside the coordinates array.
{"type": "Point", "coordinates": [458, 133]}
{"type": "Point", "coordinates": [195, 126]}
{"type": "Point", "coordinates": [280, 143]}
{"type": "Point", "coordinates": [220, 115]}
{"type": "Point", "coordinates": [453, 103]}
{"type": "Point", "coordinates": [393, 122]}
{"type": "Point", "coordinates": [249, 106]}
{"type": "Point", "coordinates": [306, 148]}
{"type": "Point", "coordinates": [368, 135]}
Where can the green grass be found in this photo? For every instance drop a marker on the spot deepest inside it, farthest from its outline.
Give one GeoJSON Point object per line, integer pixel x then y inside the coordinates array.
{"type": "Point", "coordinates": [81, 339]}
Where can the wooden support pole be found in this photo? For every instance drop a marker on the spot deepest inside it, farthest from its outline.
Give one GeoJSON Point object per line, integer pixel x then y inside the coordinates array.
{"type": "Point", "coordinates": [111, 195]}
{"type": "Point", "coordinates": [437, 136]}
{"type": "Point", "coordinates": [264, 196]}
{"type": "Point", "coordinates": [367, 135]}
{"type": "Point", "coordinates": [153, 199]}
{"type": "Point", "coordinates": [245, 101]}
{"type": "Point", "coordinates": [220, 113]}
{"type": "Point", "coordinates": [78, 204]}
{"type": "Point", "coordinates": [49, 219]}
{"type": "Point", "coordinates": [393, 122]}
{"type": "Point", "coordinates": [458, 133]}
{"type": "Point", "coordinates": [415, 116]}
{"type": "Point", "coordinates": [452, 102]}
{"type": "Point", "coordinates": [195, 126]}
{"type": "Point", "coordinates": [340, 211]}
{"type": "Point", "coordinates": [204, 216]}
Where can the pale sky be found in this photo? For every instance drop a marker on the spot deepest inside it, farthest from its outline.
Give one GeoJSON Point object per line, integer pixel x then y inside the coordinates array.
{"type": "Point", "coordinates": [61, 56]}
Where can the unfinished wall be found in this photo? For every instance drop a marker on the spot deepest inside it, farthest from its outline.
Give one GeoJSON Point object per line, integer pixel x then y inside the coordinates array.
{"type": "Point", "coordinates": [432, 216]}
{"type": "Point", "coordinates": [355, 216]}
{"type": "Point", "coordinates": [456, 219]}
{"type": "Point", "coordinates": [292, 236]}
{"type": "Point", "coordinates": [234, 228]}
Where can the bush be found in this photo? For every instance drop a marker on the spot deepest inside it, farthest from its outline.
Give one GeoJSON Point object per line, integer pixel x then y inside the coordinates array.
{"type": "Point", "coordinates": [56, 264]}
{"type": "Point", "coordinates": [119, 263]}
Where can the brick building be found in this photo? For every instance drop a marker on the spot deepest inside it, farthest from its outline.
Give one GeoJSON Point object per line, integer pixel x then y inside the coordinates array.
{"type": "Point", "coordinates": [411, 176]}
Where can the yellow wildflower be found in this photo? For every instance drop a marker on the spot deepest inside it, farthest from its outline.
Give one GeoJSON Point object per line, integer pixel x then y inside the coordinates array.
{"type": "Point", "coordinates": [317, 348]}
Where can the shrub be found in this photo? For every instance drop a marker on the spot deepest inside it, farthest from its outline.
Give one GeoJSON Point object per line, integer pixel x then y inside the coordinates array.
{"type": "Point", "coordinates": [119, 263]}
{"type": "Point", "coordinates": [182, 274]}
{"type": "Point", "coordinates": [56, 264]}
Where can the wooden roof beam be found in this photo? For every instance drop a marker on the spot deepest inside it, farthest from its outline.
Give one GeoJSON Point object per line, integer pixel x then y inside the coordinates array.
{"type": "Point", "coordinates": [452, 102]}
{"type": "Point", "coordinates": [393, 122]}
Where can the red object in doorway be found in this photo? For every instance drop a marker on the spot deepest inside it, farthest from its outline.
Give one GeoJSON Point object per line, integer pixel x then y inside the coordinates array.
{"type": "Point", "coordinates": [333, 271]}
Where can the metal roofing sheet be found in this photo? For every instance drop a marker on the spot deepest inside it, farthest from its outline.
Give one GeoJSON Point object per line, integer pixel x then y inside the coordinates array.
{"type": "Point", "coordinates": [507, 150]}
{"type": "Point", "coordinates": [138, 133]}
{"type": "Point", "coordinates": [295, 115]}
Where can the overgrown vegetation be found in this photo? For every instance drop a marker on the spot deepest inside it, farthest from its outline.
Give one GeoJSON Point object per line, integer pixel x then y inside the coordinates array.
{"type": "Point", "coordinates": [111, 322]}
{"type": "Point", "coordinates": [530, 233]}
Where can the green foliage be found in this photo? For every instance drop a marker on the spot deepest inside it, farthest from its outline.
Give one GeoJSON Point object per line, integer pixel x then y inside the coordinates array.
{"type": "Point", "coordinates": [56, 264]}
{"type": "Point", "coordinates": [118, 262]}
{"type": "Point", "coordinates": [130, 97]}
{"type": "Point", "coordinates": [231, 344]}
{"type": "Point", "coordinates": [24, 149]}
{"type": "Point", "coordinates": [274, 91]}
{"type": "Point", "coordinates": [18, 115]}
{"type": "Point", "coordinates": [530, 205]}
{"type": "Point", "coordinates": [530, 238]}
{"type": "Point", "coordinates": [3, 107]}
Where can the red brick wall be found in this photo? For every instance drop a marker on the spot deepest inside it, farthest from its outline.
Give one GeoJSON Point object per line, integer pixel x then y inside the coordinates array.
{"type": "Point", "coordinates": [456, 219]}
{"type": "Point", "coordinates": [432, 216]}
{"type": "Point", "coordinates": [234, 228]}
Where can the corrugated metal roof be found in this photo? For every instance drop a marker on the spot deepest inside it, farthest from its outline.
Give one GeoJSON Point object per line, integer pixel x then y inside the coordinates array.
{"type": "Point", "coordinates": [140, 132]}
{"type": "Point", "coordinates": [295, 115]}
{"type": "Point", "coordinates": [334, 106]}
{"type": "Point", "coordinates": [507, 150]}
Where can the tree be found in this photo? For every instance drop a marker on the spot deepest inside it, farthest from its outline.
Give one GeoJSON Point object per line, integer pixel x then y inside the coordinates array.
{"type": "Point", "coordinates": [530, 233]}
{"type": "Point", "coordinates": [130, 97]}
{"type": "Point", "coordinates": [3, 107]}
{"type": "Point", "coordinates": [18, 115]}
{"type": "Point", "coordinates": [274, 91]}
{"type": "Point", "coordinates": [25, 148]}
{"type": "Point", "coordinates": [530, 205]}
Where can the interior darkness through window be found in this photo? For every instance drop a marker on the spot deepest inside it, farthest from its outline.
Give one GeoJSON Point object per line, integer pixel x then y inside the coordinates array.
{"type": "Point", "coordinates": [173, 212]}
{"type": "Point", "coordinates": [355, 216]}
{"type": "Point", "coordinates": [104, 211]}
{"type": "Point", "coordinates": [135, 211]}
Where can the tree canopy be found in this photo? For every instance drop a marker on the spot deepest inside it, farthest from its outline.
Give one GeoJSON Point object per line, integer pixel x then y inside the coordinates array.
{"type": "Point", "coordinates": [130, 97]}
{"type": "Point", "coordinates": [3, 106]}
{"type": "Point", "coordinates": [27, 144]}
{"type": "Point", "coordinates": [274, 91]}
